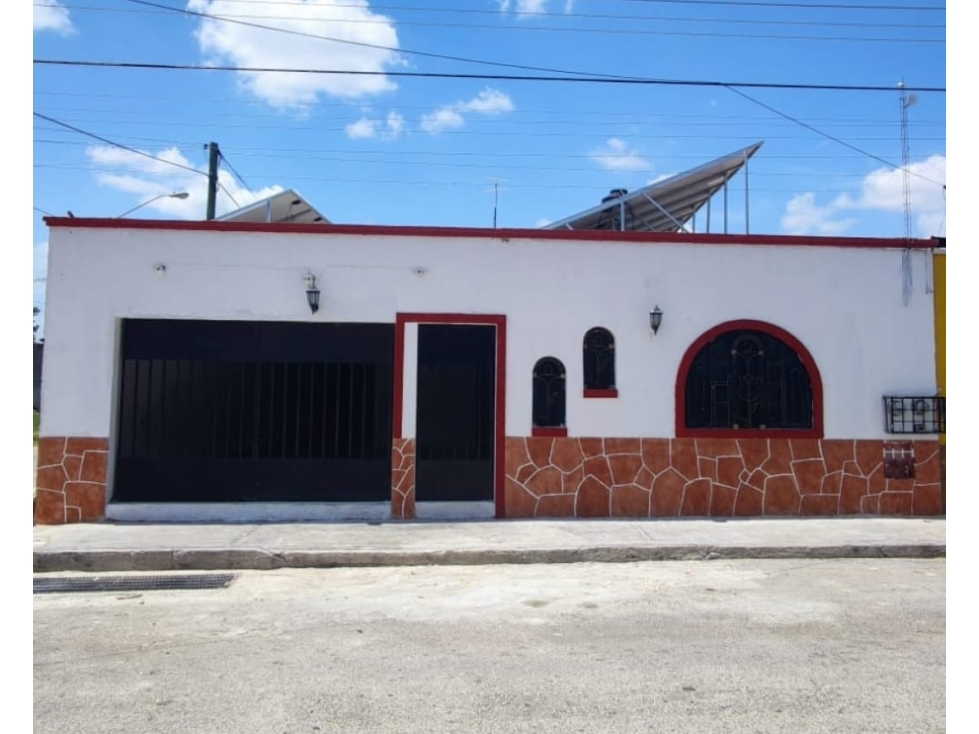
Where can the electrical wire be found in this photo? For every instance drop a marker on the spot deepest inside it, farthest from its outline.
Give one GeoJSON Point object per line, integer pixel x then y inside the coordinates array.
{"type": "Point", "coordinates": [359, 44]}
{"type": "Point", "coordinates": [821, 6]}
{"type": "Point", "coordinates": [115, 144]}
{"type": "Point", "coordinates": [230, 196]}
{"type": "Point", "coordinates": [232, 169]}
{"type": "Point", "coordinates": [465, 133]}
{"type": "Point", "coordinates": [632, 118]}
{"type": "Point", "coordinates": [642, 116]}
{"type": "Point", "coordinates": [659, 31]}
{"type": "Point", "coordinates": [493, 77]}
{"type": "Point", "coordinates": [831, 137]}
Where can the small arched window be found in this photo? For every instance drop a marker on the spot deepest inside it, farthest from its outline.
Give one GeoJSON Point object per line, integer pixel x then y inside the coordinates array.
{"type": "Point", "coordinates": [748, 380]}
{"type": "Point", "coordinates": [599, 363]}
{"type": "Point", "coordinates": [549, 393]}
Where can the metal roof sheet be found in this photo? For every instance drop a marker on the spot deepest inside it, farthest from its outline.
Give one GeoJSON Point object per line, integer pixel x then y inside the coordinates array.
{"type": "Point", "coordinates": [285, 206]}
{"type": "Point", "coordinates": [664, 206]}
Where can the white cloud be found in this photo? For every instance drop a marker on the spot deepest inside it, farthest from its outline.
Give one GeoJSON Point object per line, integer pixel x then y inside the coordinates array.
{"type": "Point", "coordinates": [394, 123]}
{"type": "Point", "coordinates": [616, 155]}
{"type": "Point", "coordinates": [363, 128]}
{"type": "Point", "coordinates": [880, 191]}
{"type": "Point", "coordinates": [488, 102]}
{"type": "Point", "coordinates": [387, 129]}
{"type": "Point", "coordinates": [52, 16]}
{"type": "Point", "coordinates": [542, 222]}
{"type": "Point", "coordinates": [443, 118]}
{"type": "Point", "coordinates": [450, 116]}
{"type": "Point", "coordinates": [804, 216]}
{"type": "Point", "coordinates": [661, 177]}
{"type": "Point", "coordinates": [348, 20]}
{"type": "Point", "coordinates": [530, 7]}
{"type": "Point", "coordinates": [146, 178]}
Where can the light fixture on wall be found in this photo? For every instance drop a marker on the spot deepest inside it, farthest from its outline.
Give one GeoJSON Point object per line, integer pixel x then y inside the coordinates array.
{"type": "Point", "coordinates": [655, 319]}
{"type": "Point", "coordinates": [312, 293]}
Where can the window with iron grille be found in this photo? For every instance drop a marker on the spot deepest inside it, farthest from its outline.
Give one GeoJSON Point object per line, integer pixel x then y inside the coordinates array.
{"type": "Point", "coordinates": [599, 359]}
{"type": "Point", "coordinates": [910, 414]}
{"type": "Point", "coordinates": [747, 379]}
{"type": "Point", "coordinates": [549, 393]}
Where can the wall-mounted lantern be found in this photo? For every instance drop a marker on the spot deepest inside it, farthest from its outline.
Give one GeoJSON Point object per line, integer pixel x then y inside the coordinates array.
{"type": "Point", "coordinates": [655, 319]}
{"type": "Point", "coordinates": [312, 293]}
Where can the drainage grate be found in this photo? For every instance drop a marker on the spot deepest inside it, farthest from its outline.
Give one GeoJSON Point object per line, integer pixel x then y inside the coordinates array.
{"type": "Point", "coordinates": [69, 584]}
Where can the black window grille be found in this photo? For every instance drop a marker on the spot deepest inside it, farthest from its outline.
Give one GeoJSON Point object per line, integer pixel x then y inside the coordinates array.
{"type": "Point", "coordinates": [599, 359]}
{"type": "Point", "coordinates": [922, 414]}
{"type": "Point", "coordinates": [549, 393]}
{"type": "Point", "coordinates": [748, 379]}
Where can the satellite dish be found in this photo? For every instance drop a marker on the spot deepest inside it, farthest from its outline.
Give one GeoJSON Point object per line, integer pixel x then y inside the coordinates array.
{"type": "Point", "coordinates": [912, 99]}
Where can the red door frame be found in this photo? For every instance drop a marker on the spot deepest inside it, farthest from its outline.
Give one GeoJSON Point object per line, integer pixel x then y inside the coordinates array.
{"type": "Point", "coordinates": [499, 438]}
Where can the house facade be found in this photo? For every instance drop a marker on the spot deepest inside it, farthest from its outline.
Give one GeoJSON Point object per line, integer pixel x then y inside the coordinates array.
{"type": "Point", "coordinates": [209, 370]}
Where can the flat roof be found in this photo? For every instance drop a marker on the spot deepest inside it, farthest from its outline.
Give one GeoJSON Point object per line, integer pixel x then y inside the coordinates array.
{"type": "Point", "coordinates": [374, 230]}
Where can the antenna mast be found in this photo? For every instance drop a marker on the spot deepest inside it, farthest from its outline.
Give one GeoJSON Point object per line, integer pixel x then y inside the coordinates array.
{"type": "Point", "coordinates": [496, 201]}
{"type": "Point", "coordinates": [906, 101]}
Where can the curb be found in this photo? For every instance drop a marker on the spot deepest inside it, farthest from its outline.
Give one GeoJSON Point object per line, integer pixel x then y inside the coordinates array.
{"type": "Point", "coordinates": [258, 559]}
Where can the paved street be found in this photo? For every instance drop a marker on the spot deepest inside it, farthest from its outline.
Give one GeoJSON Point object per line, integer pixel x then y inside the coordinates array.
{"type": "Point", "coordinates": [722, 646]}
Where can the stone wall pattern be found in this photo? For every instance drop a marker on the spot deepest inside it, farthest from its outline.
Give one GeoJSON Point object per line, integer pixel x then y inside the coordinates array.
{"type": "Point", "coordinates": [71, 479]}
{"type": "Point", "coordinates": [660, 477]}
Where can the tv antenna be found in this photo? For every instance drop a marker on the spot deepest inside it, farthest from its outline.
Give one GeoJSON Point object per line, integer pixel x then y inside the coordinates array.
{"type": "Point", "coordinates": [496, 196]}
{"type": "Point", "coordinates": [906, 100]}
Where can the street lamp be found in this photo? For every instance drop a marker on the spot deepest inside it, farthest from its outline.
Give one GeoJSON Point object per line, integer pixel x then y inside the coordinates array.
{"type": "Point", "coordinates": [178, 195]}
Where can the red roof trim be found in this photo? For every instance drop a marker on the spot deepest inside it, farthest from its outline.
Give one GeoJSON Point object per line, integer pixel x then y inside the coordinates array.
{"type": "Point", "coordinates": [484, 233]}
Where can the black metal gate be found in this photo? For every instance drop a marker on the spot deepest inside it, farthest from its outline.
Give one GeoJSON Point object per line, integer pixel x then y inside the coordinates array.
{"type": "Point", "coordinates": [223, 411]}
{"type": "Point", "coordinates": [455, 412]}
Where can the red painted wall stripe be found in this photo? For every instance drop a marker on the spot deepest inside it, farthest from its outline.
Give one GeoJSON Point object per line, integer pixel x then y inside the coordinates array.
{"type": "Point", "coordinates": [663, 238]}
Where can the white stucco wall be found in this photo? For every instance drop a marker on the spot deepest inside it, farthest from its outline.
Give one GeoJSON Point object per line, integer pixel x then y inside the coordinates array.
{"type": "Point", "coordinates": [843, 304]}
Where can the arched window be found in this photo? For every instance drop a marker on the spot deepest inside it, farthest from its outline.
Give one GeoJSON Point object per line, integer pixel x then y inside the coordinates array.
{"type": "Point", "coordinates": [549, 393]}
{"type": "Point", "coordinates": [599, 362]}
{"type": "Point", "coordinates": [748, 378]}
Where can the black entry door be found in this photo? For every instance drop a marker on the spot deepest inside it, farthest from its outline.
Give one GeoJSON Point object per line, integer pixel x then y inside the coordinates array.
{"type": "Point", "coordinates": [227, 411]}
{"type": "Point", "coordinates": [455, 413]}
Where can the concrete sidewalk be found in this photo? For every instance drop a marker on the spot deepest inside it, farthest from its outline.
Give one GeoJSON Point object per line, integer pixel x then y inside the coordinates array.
{"type": "Point", "coordinates": [144, 547]}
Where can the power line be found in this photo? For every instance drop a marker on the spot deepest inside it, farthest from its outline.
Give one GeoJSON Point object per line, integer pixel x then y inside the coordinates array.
{"type": "Point", "coordinates": [828, 136]}
{"type": "Point", "coordinates": [236, 174]}
{"type": "Point", "coordinates": [805, 6]}
{"type": "Point", "coordinates": [629, 118]}
{"type": "Point", "coordinates": [466, 133]}
{"type": "Point", "coordinates": [823, 6]}
{"type": "Point", "coordinates": [47, 214]}
{"type": "Point", "coordinates": [492, 77]}
{"type": "Point", "coordinates": [481, 182]}
{"type": "Point", "coordinates": [381, 20]}
{"type": "Point", "coordinates": [400, 154]}
{"type": "Point", "coordinates": [225, 190]}
{"type": "Point", "coordinates": [521, 111]}
{"type": "Point", "coordinates": [360, 44]}
{"type": "Point", "coordinates": [646, 169]}
{"type": "Point", "coordinates": [115, 144]}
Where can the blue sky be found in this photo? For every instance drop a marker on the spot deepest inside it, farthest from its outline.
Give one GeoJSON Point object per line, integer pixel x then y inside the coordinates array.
{"type": "Point", "coordinates": [386, 150]}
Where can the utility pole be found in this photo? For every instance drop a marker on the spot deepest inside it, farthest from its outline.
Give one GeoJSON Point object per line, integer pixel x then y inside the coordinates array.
{"type": "Point", "coordinates": [214, 156]}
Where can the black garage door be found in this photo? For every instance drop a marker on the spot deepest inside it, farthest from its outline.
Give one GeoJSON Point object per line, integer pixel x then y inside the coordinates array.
{"type": "Point", "coordinates": [219, 411]}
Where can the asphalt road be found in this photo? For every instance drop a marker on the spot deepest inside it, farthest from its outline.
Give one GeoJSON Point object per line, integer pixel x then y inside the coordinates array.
{"type": "Point", "coordinates": [740, 646]}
